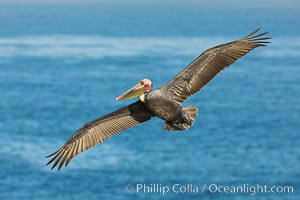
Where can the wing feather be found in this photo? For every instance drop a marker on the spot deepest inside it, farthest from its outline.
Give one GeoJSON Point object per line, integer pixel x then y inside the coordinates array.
{"type": "Point", "coordinates": [204, 68]}
{"type": "Point", "coordinates": [99, 130]}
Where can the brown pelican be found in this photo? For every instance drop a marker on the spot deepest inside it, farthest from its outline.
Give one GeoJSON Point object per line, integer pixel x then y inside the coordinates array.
{"type": "Point", "coordinates": [164, 102]}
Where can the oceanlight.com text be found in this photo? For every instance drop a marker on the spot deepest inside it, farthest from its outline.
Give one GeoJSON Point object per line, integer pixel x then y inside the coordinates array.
{"type": "Point", "coordinates": [250, 189]}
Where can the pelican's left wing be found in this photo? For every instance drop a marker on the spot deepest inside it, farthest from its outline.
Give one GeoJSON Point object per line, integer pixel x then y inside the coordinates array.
{"type": "Point", "coordinates": [204, 68]}
{"type": "Point", "coordinates": [99, 130]}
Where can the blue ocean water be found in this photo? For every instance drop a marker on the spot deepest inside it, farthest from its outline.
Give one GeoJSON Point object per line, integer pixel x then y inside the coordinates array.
{"type": "Point", "coordinates": [62, 66]}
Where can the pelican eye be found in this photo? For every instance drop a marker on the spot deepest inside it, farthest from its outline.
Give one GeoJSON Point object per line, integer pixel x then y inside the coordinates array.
{"type": "Point", "coordinates": [147, 87]}
{"type": "Point", "coordinates": [142, 82]}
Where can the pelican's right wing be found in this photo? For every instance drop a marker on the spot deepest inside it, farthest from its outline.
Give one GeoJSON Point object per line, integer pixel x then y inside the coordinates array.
{"type": "Point", "coordinates": [202, 70]}
{"type": "Point", "coordinates": [99, 130]}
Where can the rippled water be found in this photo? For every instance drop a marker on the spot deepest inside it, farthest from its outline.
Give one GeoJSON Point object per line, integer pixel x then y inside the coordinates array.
{"type": "Point", "coordinates": [60, 71]}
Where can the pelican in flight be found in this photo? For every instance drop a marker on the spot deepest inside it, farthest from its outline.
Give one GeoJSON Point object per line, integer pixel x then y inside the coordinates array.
{"type": "Point", "coordinates": [164, 102]}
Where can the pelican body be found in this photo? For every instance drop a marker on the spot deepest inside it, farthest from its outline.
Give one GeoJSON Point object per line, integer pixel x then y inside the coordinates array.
{"type": "Point", "coordinates": [161, 105]}
{"type": "Point", "coordinates": [164, 107]}
{"type": "Point", "coordinates": [164, 102]}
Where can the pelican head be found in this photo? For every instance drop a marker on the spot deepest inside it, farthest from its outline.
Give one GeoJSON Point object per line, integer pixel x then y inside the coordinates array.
{"type": "Point", "coordinates": [144, 86]}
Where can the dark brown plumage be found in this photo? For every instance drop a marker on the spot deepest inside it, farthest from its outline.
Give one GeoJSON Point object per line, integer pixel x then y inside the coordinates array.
{"type": "Point", "coordinates": [99, 130]}
{"type": "Point", "coordinates": [204, 68]}
{"type": "Point", "coordinates": [164, 102]}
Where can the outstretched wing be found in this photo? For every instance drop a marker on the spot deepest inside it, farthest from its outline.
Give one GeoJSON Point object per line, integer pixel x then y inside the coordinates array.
{"type": "Point", "coordinates": [209, 64]}
{"type": "Point", "coordinates": [99, 130]}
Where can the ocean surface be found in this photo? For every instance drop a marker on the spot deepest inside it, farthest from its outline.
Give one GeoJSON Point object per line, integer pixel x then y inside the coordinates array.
{"type": "Point", "coordinates": [62, 66]}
